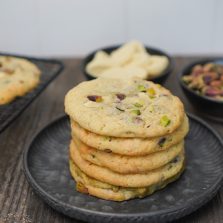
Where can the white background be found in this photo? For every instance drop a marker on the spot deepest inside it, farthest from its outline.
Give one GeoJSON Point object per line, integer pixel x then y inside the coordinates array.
{"type": "Point", "coordinates": [76, 27]}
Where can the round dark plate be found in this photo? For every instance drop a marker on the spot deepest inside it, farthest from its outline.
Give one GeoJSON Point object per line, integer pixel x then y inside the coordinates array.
{"type": "Point", "coordinates": [46, 169]}
{"type": "Point", "coordinates": [153, 51]}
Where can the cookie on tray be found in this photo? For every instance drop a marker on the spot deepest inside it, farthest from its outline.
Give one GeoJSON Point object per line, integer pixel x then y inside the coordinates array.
{"type": "Point", "coordinates": [17, 77]}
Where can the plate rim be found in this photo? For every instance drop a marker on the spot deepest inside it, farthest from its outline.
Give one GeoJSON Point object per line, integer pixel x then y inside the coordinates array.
{"type": "Point", "coordinates": [190, 206]}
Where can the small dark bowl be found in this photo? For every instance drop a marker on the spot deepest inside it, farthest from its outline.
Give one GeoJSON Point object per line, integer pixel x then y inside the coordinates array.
{"type": "Point", "coordinates": [206, 105]}
{"type": "Point", "coordinates": [153, 51]}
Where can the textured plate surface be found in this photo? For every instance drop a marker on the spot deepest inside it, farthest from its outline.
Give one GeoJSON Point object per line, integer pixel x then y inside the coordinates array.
{"type": "Point", "coordinates": [49, 69]}
{"type": "Point", "coordinates": [46, 169]}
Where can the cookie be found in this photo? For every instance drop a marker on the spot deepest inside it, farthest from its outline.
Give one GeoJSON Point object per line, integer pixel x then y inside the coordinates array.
{"type": "Point", "coordinates": [127, 180]}
{"type": "Point", "coordinates": [128, 164]}
{"type": "Point", "coordinates": [130, 146]}
{"type": "Point", "coordinates": [17, 77]}
{"type": "Point", "coordinates": [124, 108]}
{"type": "Point", "coordinates": [86, 184]}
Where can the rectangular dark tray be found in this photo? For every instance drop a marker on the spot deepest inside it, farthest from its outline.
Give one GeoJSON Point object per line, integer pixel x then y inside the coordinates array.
{"type": "Point", "coordinates": [49, 70]}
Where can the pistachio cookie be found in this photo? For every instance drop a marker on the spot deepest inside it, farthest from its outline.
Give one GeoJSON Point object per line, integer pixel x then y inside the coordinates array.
{"type": "Point", "coordinates": [127, 137]}
{"type": "Point", "coordinates": [89, 185]}
{"type": "Point", "coordinates": [128, 164]}
{"type": "Point", "coordinates": [127, 180]}
{"type": "Point", "coordinates": [130, 146]}
{"type": "Point", "coordinates": [17, 77]}
{"type": "Point", "coordinates": [124, 108]}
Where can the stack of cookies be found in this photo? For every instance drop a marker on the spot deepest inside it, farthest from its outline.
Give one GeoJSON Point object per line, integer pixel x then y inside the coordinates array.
{"type": "Point", "coordinates": [127, 137]}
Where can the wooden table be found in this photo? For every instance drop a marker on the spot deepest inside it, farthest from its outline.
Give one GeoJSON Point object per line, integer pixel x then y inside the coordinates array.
{"type": "Point", "coordinates": [18, 203]}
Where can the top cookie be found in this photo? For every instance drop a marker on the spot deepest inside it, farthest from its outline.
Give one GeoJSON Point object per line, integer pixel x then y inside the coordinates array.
{"type": "Point", "coordinates": [124, 108]}
{"type": "Point", "coordinates": [17, 77]}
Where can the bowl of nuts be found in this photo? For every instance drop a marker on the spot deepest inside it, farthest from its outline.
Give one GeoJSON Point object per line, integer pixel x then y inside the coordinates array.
{"type": "Point", "coordinates": [202, 82]}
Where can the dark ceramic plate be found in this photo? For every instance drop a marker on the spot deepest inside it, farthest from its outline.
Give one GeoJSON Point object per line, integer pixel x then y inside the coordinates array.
{"type": "Point", "coordinates": [153, 51]}
{"type": "Point", "coordinates": [46, 169]}
{"type": "Point", "coordinates": [50, 69]}
{"type": "Point", "coordinates": [208, 106]}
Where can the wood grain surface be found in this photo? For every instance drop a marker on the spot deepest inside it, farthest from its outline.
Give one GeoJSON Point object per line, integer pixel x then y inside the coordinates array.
{"type": "Point", "coordinates": [18, 203]}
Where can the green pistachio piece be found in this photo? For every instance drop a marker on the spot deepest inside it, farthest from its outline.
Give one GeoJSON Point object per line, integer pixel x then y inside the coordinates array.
{"type": "Point", "coordinates": [141, 88]}
{"type": "Point", "coordinates": [99, 99]}
{"type": "Point", "coordinates": [151, 108]}
{"type": "Point", "coordinates": [165, 121]}
{"type": "Point", "coordinates": [151, 92]}
{"type": "Point", "coordinates": [136, 112]}
{"type": "Point", "coordinates": [7, 82]}
{"type": "Point", "coordinates": [185, 79]}
{"type": "Point", "coordinates": [159, 86]}
{"type": "Point", "coordinates": [138, 105]}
